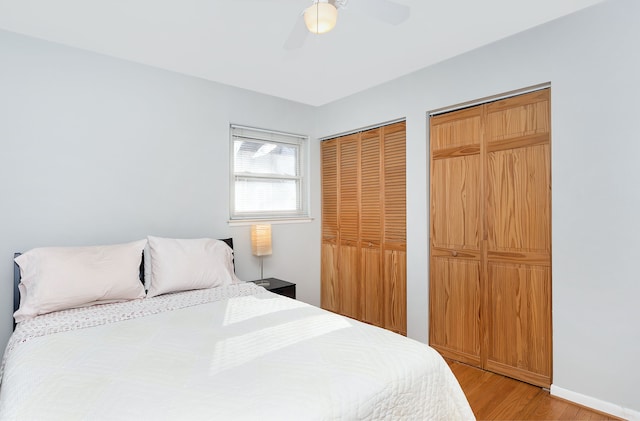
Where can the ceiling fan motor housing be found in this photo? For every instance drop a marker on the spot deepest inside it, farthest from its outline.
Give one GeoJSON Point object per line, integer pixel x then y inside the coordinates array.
{"type": "Point", "coordinates": [320, 17]}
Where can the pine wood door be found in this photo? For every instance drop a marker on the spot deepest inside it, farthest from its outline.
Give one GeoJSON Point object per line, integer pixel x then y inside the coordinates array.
{"type": "Point", "coordinates": [455, 264]}
{"type": "Point", "coordinates": [490, 280]}
{"type": "Point", "coordinates": [349, 285]}
{"type": "Point", "coordinates": [371, 196]}
{"type": "Point", "coordinates": [329, 293]}
{"type": "Point", "coordinates": [394, 246]}
{"type": "Point", "coordinates": [364, 226]}
{"type": "Point", "coordinates": [518, 232]}
{"type": "Point", "coordinates": [340, 267]}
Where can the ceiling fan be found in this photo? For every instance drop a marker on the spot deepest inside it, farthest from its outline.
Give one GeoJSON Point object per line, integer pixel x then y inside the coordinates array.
{"type": "Point", "coordinates": [321, 16]}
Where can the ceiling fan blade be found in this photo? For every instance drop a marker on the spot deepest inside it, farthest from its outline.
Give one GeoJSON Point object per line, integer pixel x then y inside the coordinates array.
{"type": "Point", "coordinates": [385, 10]}
{"type": "Point", "coordinates": [298, 35]}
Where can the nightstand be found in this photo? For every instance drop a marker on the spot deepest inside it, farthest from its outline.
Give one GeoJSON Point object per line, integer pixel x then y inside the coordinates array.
{"type": "Point", "coordinates": [278, 286]}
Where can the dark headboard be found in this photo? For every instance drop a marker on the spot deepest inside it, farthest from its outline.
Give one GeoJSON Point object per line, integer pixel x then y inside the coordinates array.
{"type": "Point", "coordinates": [229, 242]}
{"type": "Point", "coordinates": [16, 281]}
{"type": "Point", "coordinates": [16, 276]}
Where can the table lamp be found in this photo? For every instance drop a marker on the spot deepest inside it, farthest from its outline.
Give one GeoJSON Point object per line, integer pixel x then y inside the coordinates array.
{"type": "Point", "coordinates": [261, 246]}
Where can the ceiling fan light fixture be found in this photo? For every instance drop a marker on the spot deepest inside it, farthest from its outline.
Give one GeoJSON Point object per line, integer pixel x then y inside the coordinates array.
{"type": "Point", "coordinates": [320, 17]}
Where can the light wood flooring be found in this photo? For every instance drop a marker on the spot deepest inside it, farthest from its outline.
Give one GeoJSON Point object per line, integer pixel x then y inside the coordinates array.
{"type": "Point", "coordinates": [495, 397]}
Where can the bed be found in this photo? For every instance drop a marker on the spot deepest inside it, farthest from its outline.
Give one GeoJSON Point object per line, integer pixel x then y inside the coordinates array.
{"type": "Point", "coordinates": [229, 351]}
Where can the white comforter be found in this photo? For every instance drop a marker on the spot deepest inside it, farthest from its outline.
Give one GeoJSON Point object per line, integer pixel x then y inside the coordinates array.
{"type": "Point", "coordinates": [230, 353]}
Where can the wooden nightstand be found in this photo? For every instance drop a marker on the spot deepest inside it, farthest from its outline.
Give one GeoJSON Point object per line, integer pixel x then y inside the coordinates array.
{"type": "Point", "coordinates": [278, 286]}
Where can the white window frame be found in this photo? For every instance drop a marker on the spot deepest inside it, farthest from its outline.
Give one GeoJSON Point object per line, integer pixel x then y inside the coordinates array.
{"type": "Point", "coordinates": [253, 133]}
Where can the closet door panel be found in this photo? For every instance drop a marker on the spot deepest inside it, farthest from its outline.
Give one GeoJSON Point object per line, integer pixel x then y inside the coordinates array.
{"type": "Point", "coordinates": [330, 292]}
{"type": "Point", "coordinates": [455, 269]}
{"type": "Point", "coordinates": [518, 206]}
{"type": "Point", "coordinates": [518, 231]}
{"type": "Point", "coordinates": [373, 285]}
{"type": "Point", "coordinates": [371, 227]}
{"type": "Point", "coordinates": [520, 321]}
{"type": "Point", "coordinates": [370, 188]}
{"type": "Point", "coordinates": [349, 281]}
{"type": "Point", "coordinates": [395, 291]}
{"type": "Point", "coordinates": [521, 117]}
{"type": "Point", "coordinates": [394, 226]}
{"type": "Point", "coordinates": [349, 163]}
{"type": "Point", "coordinates": [455, 308]}
{"type": "Point", "coordinates": [395, 174]}
{"type": "Point", "coordinates": [456, 133]}
{"type": "Point", "coordinates": [455, 205]}
{"type": "Point", "coordinates": [329, 154]}
{"type": "Point", "coordinates": [329, 258]}
{"type": "Point", "coordinates": [349, 227]}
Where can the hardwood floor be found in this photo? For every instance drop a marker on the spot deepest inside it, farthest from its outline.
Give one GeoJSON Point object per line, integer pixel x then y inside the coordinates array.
{"type": "Point", "coordinates": [495, 397]}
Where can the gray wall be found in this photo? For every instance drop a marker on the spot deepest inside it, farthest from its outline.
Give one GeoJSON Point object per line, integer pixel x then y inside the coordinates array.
{"type": "Point", "coordinates": [96, 150]}
{"type": "Point", "coordinates": [592, 60]}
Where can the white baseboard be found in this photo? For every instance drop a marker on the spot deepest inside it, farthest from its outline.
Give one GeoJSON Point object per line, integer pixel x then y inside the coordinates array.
{"type": "Point", "coordinates": [597, 404]}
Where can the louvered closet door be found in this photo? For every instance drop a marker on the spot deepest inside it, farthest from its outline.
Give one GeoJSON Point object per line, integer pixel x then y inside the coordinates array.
{"type": "Point", "coordinates": [518, 293]}
{"type": "Point", "coordinates": [349, 277]}
{"type": "Point", "coordinates": [329, 250]}
{"type": "Point", "coordinates": [455, 265]}
{"type": "Point", "coordinates": [395, 227]}
{"type": "Point", "coordinates": [364, 226]}
{"type": "Point", "coordinates": [371, 227]}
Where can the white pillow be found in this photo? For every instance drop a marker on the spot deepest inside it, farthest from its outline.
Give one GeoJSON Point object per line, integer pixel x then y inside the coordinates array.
{"type": "Point", "coordinates": [185, 264]}
{"type": "Point", "coordinates": [58, 278]}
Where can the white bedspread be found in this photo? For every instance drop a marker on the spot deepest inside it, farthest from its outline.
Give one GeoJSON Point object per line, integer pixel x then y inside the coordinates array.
{"type": "Point", "coordinates": [231, 353]}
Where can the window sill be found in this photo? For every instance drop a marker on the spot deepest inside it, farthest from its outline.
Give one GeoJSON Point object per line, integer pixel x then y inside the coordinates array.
{"type": "Point", "coordinates": [275, 221]}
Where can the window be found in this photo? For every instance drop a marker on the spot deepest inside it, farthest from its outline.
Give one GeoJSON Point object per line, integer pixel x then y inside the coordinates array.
{"type": "Point", "coordinates": [269, 174]}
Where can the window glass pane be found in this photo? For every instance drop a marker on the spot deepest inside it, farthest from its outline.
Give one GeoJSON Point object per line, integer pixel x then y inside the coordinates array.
{"type": "Point", "coordinates": [258, 195]}
{"type": "Point", "coordinates": [267, 158]}
{"type": "Point", "coordinates": [269, 174]}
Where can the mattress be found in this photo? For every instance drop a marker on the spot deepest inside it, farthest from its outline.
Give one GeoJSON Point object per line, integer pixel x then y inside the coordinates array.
{"type": "Point", "coordinates": [235, 352]}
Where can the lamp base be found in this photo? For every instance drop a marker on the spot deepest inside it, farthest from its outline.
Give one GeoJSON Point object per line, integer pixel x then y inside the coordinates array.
{"type": "Point", "coordinates": [262, 283]}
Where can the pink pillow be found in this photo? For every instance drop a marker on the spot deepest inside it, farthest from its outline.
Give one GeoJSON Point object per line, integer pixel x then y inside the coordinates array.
{"type": "Point", "coordinates": [58, 278]}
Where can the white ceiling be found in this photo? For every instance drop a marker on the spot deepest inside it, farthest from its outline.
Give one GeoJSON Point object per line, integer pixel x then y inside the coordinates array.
{"type": "Point", "coordinates": [240, 42]}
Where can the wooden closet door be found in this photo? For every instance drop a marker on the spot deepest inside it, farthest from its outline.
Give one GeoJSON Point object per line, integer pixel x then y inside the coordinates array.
{"type": "Point", "coordinates": [350, 288]}
{"type": "Point", "coordinates": [371, 227]}
{"type": "Point", "coordinates": [364, 226]}
{"type": "Point", "coordinates": [455, 264]}
{"type": "Point", "coordinates": [518, 229]}
{"type": "Point", "coordinates": [329, 297]}
{"type": "Point", "coordinates": [395, 227]}
{"type": "Point", "coordinates": [490, 280]}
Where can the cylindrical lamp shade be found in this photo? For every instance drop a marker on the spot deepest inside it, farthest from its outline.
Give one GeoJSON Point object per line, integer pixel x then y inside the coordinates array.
{"type": "Point", "coordinates": [320, 17]}
{"type": "Point", "coordinates": [261, 239]}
